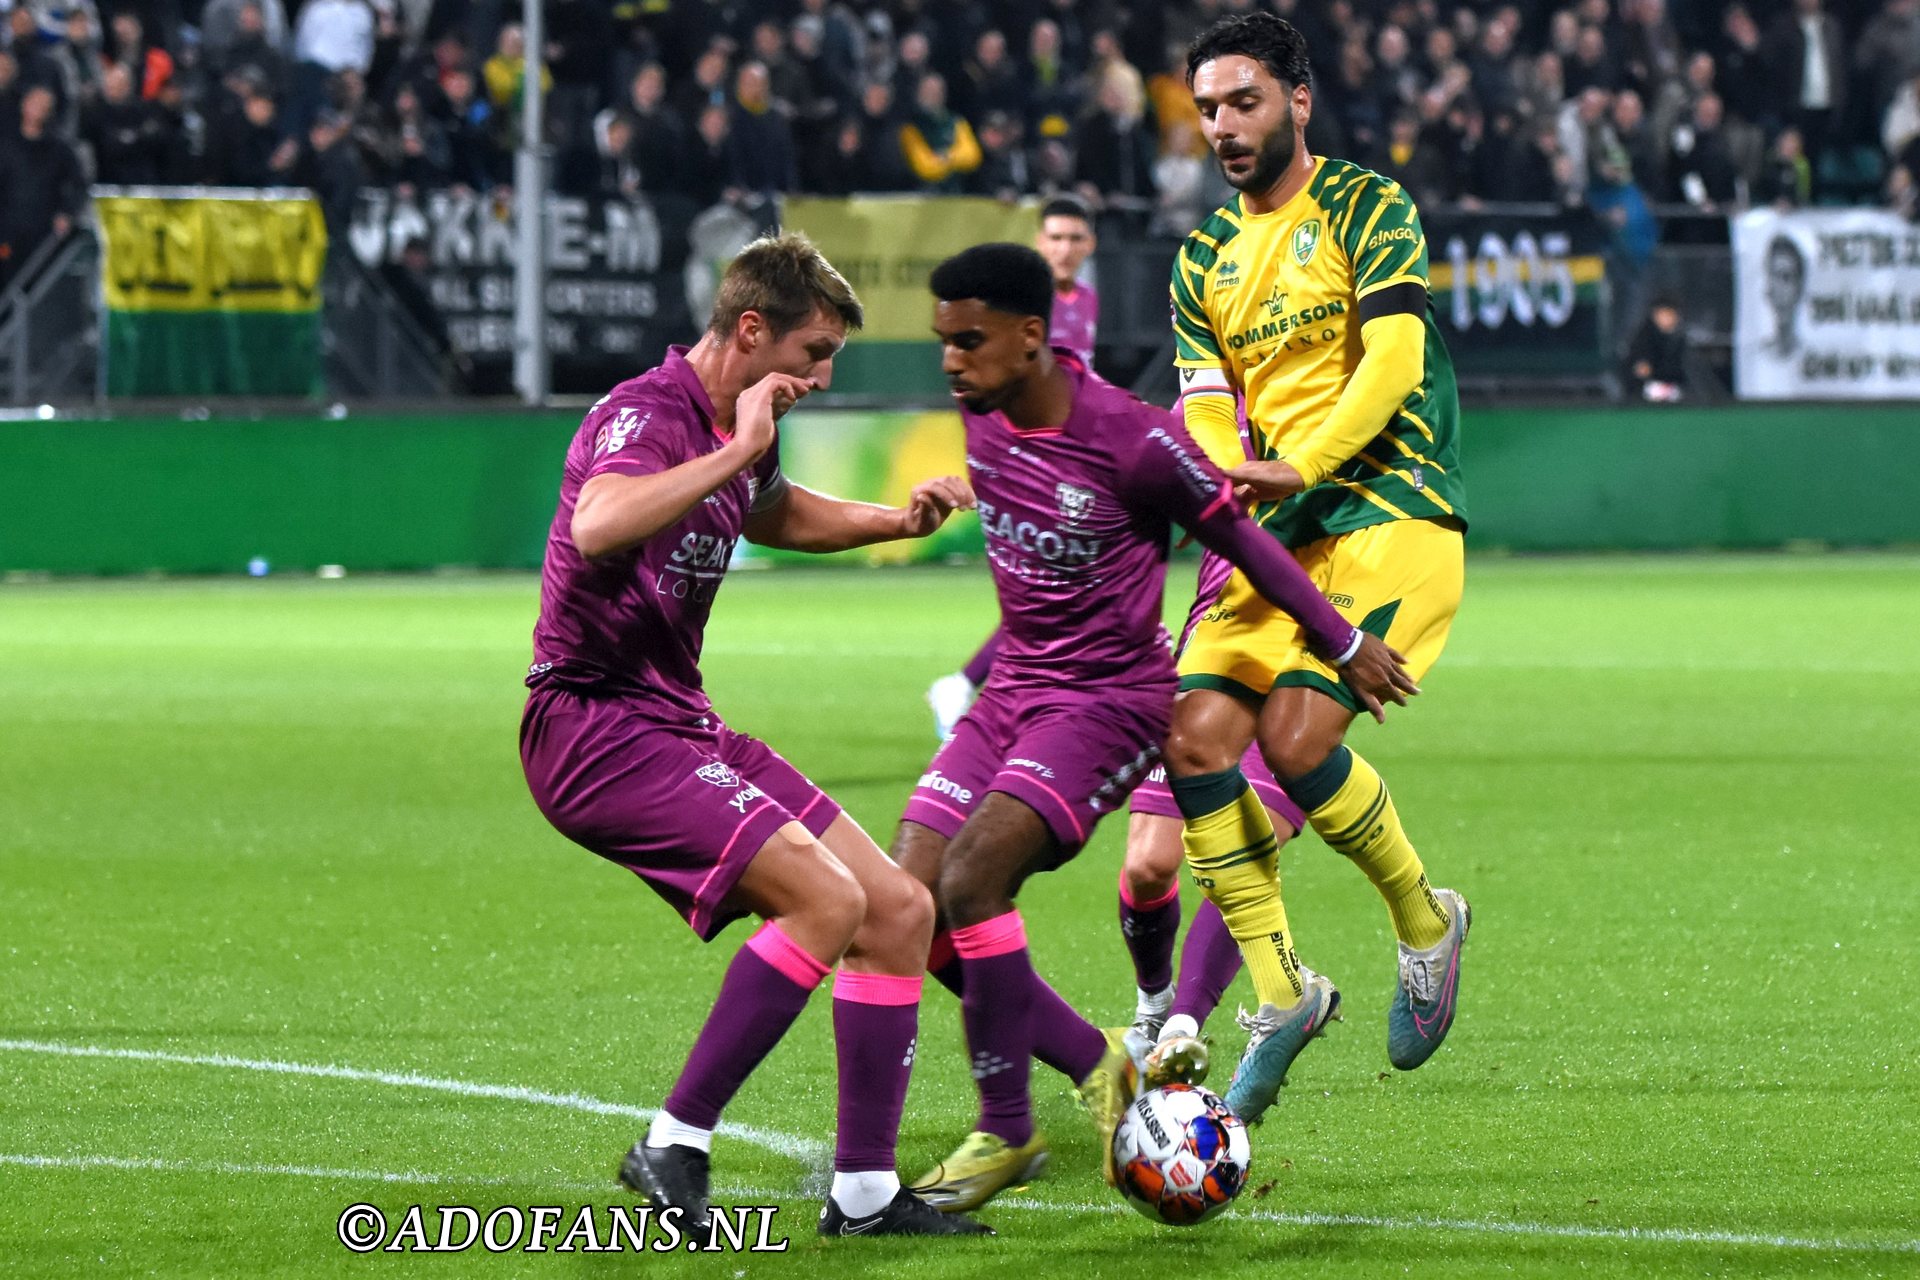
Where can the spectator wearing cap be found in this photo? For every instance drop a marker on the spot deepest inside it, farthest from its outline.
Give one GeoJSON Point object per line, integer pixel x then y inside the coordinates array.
{"type": "Point", "coordinates": [764, 161]}
{"type": "Point", "coordinates": [1005, 173]}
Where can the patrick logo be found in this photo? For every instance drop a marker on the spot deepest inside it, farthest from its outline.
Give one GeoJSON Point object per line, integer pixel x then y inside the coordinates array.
{"type": "Point", "coordinates": [1075, 502]}
{"type": "Point", "coordinates": [718, 774]}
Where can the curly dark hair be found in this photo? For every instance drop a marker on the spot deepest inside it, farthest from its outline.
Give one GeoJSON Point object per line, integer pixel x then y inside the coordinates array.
{"type": "Point", "coordinates": [1007, 277]}
{"type": "Point", "coordinates": [1267, 38]}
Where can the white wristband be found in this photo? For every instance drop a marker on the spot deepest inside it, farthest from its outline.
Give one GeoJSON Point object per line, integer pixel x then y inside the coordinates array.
{"type": "Point", "coordinates": [1359, 637]}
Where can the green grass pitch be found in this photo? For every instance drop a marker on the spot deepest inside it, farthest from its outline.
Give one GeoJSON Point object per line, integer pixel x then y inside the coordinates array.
{"type": "Point", "coordinates": [283, 822]}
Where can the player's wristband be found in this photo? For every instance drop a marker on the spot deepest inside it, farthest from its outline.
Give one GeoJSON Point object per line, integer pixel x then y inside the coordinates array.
{"type": "Point", "coordinates": [1359, 638]}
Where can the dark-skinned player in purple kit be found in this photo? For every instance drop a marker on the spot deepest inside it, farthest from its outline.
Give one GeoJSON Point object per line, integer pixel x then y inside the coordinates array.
{"type": "Point", "coordinates": [1078, 485]}
{"type": "Point", "coordinates": [625, 755]}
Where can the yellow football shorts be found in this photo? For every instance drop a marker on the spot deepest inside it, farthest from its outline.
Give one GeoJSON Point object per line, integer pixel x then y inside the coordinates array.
{"type": "Point", "coordinates": [1401, 581]}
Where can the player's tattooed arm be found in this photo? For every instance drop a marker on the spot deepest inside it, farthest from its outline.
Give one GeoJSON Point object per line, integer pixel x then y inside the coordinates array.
{"type": "Point", "coordinates": [616, 511]}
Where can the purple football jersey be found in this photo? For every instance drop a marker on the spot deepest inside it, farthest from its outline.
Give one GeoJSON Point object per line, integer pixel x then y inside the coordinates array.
{"type": "Point", "coordinates": [1077, 521]}
{"type": "Point", "coordinates": [632, 623]}
{"type": "Point", "coordinates": [1075, 316]}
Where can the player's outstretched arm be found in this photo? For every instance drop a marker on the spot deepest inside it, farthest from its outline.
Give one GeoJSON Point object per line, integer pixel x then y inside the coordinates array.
{"type": "Point", "coordinates": [807, 521]}
{"type": "Point", "coordinates": [1172, 472]}
{"type": "Point", "coordinates": [616, 512]}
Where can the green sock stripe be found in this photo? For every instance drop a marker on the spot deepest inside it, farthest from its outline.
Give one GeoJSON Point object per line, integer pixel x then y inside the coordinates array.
{"type": "Point", "coordinates": [1207, 793]}
{"type": "Point", "coordinates": [1256, 856]}
{"type": "Point", "coordinates": [1234, 857]}
{"type": "Point", "coordinates": [1321, 783]}
{"type": "Point", "coordinates": [1354, 829]}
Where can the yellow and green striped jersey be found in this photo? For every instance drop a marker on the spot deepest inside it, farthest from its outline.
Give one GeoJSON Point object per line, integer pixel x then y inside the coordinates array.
{"type": "Point", "coordinates": [1272, 300]}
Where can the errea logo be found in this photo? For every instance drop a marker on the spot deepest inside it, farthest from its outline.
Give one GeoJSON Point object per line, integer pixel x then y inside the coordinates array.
{"type": "Point", "coordinates": [1227, 276]}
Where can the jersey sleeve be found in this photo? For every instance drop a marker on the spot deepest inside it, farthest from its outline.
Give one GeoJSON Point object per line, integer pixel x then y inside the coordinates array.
{"type": "Point", "coordinates": [1167, 473]}
{"type": "Point", "coordinates": [1382, 237]}
{"type": "Point", "coordinates": [631, 440]}
{"type": "Point", "coordinates": [1194, 342]}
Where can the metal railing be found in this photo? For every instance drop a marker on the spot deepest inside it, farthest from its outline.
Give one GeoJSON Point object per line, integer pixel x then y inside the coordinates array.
{"type": "Point", "coordinates": [50, 325]}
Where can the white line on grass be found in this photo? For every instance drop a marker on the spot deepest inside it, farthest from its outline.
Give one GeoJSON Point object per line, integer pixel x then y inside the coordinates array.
{"type": "Point", "coordinates": [810, 1151]}
{"type": "Point", "coordinates": [1550, 1230]}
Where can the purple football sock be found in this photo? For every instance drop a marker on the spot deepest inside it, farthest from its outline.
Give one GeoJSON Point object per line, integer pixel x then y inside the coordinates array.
{"type": "Point", "coordinates": [997, 1007]}
{"type": "Point", "coordinates": [1209, 962]}
{"type": "Point", "coordinates": [765, 989]}
{"type": "Point", "coordinates": [1150, 929]}
{"type": "Point", "coordinates": [1060, 1034]}
{"type": "Point", "coordinates": [876, 1018]}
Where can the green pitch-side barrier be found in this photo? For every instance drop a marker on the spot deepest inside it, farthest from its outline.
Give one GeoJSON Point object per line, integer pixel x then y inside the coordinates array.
{"type": "Point", "coordinates": [382, 492]}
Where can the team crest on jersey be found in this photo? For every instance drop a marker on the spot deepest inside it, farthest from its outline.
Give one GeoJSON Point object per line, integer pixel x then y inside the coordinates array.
{"type": "Point", "coordinates": [1306, 238]}
{"type": "Point", "coordinates": [1075, 502]}
{"type": "Point", "coordinates": [718, 774]}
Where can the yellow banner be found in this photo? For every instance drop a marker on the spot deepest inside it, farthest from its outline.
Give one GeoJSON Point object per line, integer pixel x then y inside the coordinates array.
{"type": "Point", "coordinates": [887, 246]}
{"type": "Point", "coordinates": [211, 253]}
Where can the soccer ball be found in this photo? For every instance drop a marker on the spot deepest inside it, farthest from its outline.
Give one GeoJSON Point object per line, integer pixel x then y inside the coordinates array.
{"type": "Point", "coordinates": [1181, 1155]}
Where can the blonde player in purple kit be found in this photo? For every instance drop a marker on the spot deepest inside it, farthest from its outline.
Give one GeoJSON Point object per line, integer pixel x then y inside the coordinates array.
{"type": "Point", "coordinates": [1078, 485]}
{"type": "Point", "coordinates": [625, 755]}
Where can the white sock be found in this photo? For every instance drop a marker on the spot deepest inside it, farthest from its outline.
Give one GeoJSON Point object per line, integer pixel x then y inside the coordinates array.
{"type": "Point", "coordinates": [668, 1132]}
{"type": "Point", "coordinates": [1152, 1004]}
{"type": "Point", "coordinates": [859, 1194]}
{"type": "Point", "coordinates": [1180, 1024]}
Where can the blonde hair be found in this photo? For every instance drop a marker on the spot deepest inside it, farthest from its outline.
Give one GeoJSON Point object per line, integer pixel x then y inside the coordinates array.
{"type": "Point", "coordinates": [784, 279]}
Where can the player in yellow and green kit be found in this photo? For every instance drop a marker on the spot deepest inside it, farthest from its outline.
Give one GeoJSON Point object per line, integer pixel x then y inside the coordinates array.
{"type": "Point", "coordinates": [1307, 296]}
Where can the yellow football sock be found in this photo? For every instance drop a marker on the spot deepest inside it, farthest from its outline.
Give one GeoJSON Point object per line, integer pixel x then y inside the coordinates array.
{"type": "Point", "coordinates": [1348, 804]}
{"type": "Point", "coordinates": [1234, 857]}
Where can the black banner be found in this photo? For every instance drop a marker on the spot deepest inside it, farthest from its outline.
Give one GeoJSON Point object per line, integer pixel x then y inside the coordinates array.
{"type": "Point", "coordinates": [1521, 294]}
{"type": "Point", "coordinates": [616, 288]}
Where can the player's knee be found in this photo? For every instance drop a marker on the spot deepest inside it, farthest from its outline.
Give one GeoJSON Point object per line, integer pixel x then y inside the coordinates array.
{"type": "Point", "coordinates": [1153, 856]}
{"type": "Point", "coordinates": [1189, 752]}
{"type": "Point", "coordinates": [1294, 752]}
{"type": "Point", "coordinates": [899, 918]}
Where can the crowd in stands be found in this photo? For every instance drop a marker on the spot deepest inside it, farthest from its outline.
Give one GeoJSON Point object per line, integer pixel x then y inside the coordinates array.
{"type": "Point", "coordinates": [1621, 104]}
